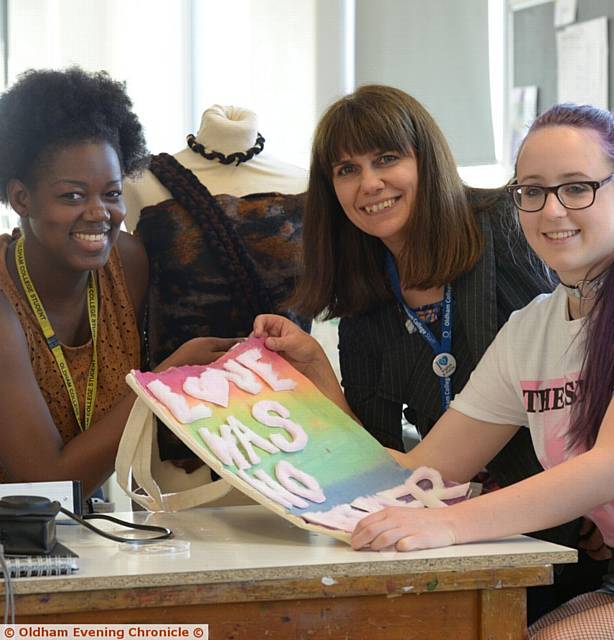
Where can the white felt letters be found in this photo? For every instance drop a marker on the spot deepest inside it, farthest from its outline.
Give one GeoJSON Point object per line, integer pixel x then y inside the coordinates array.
{"type": "Point", "coordinates": [177, 404]}
{"type": "Point", "coordinates": [307, 486]}
{"type": "Point", "coordinates": [272, 489]}
{"type": "Point", "coordinates": [346, 516]}
{"type": "Point", "coordinates": [433, 497]}
{"type": "Point", "coordinates": [251, 360]}
{"type": "Point", "coordinates": [260, 411]}
{"type": "Point", "coordinates": [242, 377]}
{"type": "Point", "coordinates": [235, 443]}
{"type": "Point", "coordinates": [246, 437]}
{"type": "Point", "coordinates": [225, 446]}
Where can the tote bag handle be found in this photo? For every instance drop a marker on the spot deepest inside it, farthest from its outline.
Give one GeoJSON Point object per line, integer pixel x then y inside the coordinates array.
{"type": "Point", "coordinates": [133, 462]}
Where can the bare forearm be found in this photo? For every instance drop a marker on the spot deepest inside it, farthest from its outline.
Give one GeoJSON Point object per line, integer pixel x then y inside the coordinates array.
{"type": "Point", "coordinates": [586, 481]}
{"type": "Point", "coordinates": [90, 457]}
{"type": "Point", "coordinates": [458, 446]}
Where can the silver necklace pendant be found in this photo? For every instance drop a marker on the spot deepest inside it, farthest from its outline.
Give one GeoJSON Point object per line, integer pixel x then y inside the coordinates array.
{"type": "Point", "coordinates": [585, 289]}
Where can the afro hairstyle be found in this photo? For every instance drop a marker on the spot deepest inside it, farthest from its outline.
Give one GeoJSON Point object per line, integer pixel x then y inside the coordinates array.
{"type": "Point", "coordinates": [47, 110]}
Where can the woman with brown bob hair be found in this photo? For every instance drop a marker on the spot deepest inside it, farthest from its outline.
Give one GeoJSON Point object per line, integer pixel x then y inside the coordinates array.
{"type": "Point", "coordinates": [422, 271]}
{"type": "Point", "coordinates": [438, 248]}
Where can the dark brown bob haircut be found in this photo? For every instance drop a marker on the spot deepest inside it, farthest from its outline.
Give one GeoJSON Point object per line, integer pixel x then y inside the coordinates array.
{"type": "Point", "coordinates": [344, 272]}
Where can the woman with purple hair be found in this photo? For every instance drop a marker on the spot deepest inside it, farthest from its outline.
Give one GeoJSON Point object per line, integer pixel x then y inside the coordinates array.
{"type": "Point", "coordinates": [551, 367]}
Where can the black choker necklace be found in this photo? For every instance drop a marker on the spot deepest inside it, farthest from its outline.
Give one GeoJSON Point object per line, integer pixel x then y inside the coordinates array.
{"type": "Point", "coordinates": [585, 289]}
{"type": "Point", "coordinates": [237, 156]}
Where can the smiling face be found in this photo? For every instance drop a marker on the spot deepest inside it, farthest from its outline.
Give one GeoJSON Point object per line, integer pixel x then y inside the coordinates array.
{"type": "Point", "coordinates": [377, 191]}
{"type": "Point", "coordinates": [73, 209]}
{"type": "Point", "coordinates": [576, 244]}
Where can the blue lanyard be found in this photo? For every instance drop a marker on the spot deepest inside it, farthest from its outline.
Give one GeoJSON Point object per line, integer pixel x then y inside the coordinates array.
{"type": "Point", "coordinates": [444, 363]}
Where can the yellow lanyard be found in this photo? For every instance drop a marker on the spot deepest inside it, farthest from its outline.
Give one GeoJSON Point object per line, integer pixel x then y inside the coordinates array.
{"type": "Point", "coordinates": [53, 342]}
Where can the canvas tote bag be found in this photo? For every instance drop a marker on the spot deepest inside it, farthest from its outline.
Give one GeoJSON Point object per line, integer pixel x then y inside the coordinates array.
{"type": "Point", "coordinates": [269, 432]}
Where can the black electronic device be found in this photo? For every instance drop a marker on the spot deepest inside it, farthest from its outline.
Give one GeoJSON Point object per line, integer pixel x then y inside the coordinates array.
{"type": "Point", "coordinates": [27, 524]}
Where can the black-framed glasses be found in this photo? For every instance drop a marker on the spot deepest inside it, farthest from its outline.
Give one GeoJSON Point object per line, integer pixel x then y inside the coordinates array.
{"type": "Point", "coordinates": [572, 195]}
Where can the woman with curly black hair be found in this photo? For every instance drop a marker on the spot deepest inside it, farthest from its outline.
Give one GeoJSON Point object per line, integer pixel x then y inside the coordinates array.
{"type": "Point", "coordinates": [72, 285]}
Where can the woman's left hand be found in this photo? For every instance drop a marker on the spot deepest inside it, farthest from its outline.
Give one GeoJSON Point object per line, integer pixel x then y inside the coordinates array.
{"type": "Point", "coordinates": [405, 529]}
{"type": "Point", "coordinates": [198, 351]}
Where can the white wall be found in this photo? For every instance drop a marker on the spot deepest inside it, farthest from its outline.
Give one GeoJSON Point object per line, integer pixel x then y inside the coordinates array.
{"type": "Point", "coordinates": [260, 54]}
{"type": "Point", "coordinates": [143, 42]}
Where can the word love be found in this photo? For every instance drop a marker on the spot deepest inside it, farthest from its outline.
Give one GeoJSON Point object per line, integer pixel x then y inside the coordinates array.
{"type": "Point", "coordinates": [213, 386]}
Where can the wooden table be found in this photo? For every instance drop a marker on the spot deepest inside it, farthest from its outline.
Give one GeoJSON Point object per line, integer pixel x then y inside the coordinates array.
{"type": "Point", "coordinates": [250, 574]}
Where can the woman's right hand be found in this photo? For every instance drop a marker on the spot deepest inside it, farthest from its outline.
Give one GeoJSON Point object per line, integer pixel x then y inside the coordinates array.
{"type": "Point", "coordinates": [300, 349]}
{"type": "Point", "coordinates": [303, 352]}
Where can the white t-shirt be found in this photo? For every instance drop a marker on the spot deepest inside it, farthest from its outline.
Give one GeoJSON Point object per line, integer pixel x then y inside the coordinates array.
{"type": "Point", "coordinates": [529, 376]}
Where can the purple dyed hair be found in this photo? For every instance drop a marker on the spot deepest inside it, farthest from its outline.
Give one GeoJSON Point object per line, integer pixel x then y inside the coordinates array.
{"type": "Point", "coordinates": [597, 371]}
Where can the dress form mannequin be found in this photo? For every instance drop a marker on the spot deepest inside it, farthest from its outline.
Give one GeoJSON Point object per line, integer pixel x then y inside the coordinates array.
{"type": "Point", "coordinates": [226, 129]}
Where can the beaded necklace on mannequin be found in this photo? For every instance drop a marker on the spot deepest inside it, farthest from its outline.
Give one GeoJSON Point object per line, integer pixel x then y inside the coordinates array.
{"type": "Point", "coordinates": [237, 156]}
